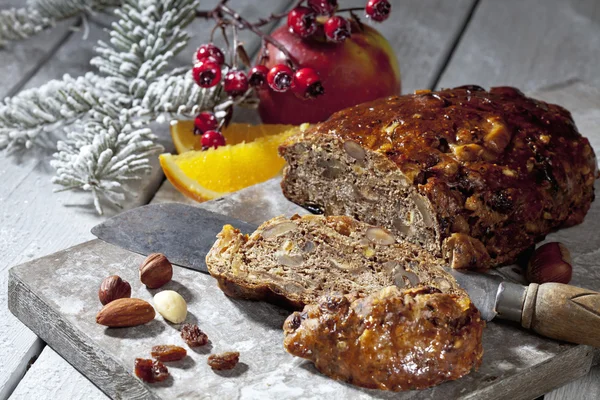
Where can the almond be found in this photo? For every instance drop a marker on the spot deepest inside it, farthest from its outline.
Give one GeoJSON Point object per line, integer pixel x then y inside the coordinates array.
{"type": "Point", "coordinates": [125, 312]}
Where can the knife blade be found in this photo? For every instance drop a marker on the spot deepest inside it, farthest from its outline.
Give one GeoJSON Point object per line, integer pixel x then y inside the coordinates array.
{"type": "Point", "coordinates": [181, 232]}
{"type": "Point", "coordinates": [491, 294]}
{"type": "Point", "coordinates": [185, 234]}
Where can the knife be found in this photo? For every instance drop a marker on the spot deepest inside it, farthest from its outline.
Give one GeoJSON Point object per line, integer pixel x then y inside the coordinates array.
{"type": "Point", "coordinates": [185, 234]}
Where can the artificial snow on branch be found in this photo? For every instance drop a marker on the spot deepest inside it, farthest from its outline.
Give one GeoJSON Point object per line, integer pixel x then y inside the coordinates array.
{"type": "Point", "coordinates": [117, 154]}
{"type": "Point", "coordinates": [36, 116]}
{"type": "Point", "coordinates": [176, 96]}
{"type": "Point", "coordinates": [21, 23]}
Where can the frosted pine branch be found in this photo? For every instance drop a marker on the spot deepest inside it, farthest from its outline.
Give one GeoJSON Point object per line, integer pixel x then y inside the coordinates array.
{"type": "Point", "coordinates": [117, 154]}
{"type": "Point", "coordinates": [35, 116]}
{"type": "Point", "coordinates": [176, 96]}
{"type": "Point", "coordinates": [148, 34]}
{"type": "Point", "coordinates": [114, 148]}
{"type": "Point", "coordinates": [60, 9]}
{"type": "Point", "coordinates": [21, 23]}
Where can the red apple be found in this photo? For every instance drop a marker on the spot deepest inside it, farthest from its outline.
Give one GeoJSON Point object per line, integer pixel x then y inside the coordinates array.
{"type": "Point", "coordinates": [362, 68]}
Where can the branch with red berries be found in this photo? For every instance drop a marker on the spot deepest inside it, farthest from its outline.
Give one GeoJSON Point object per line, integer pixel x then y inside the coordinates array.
{"type": "Point", "coordinates": [309, 19]}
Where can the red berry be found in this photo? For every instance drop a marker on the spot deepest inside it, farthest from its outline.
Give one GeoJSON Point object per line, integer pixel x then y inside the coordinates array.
{"type": "Point", "coordinates": [337, 29]}
{"type": "Point", "coordinates": [280, 78]}
{"type": "Point", "coordinates": [212, 139]}
{"type": "Point", "coordinates": [210, 51]}
{"type": "Point", "coordinates": [236, 83]}
{"type": "Point", "coordinates": [205, 121]}
{"type": "Point", "coordinates": [323, 7]}
{"type": "Point", "coordinates": [258, 76]}
{"type": "Point", "coordinates": [207, 73]}
{"type": "Point", "coordinates": [307, 84]}
{"type": "Point", "coordinates": [302, 21]}
{"type": "Point", "coordinates": [378, 10]}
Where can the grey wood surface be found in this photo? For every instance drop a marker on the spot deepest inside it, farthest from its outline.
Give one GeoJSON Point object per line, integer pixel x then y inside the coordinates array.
{"type": "Point", "coordinates": [529, 44]}
{"type": "Point", "coordinates": [522, 42]}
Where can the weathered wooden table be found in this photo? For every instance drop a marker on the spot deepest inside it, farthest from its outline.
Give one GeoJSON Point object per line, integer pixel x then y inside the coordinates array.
{"type": "Point", "coordinates": [530, 44]}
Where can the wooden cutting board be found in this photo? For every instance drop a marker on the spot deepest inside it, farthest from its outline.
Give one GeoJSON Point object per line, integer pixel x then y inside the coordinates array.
{"type": "Point", "coordinates": [56, 297]}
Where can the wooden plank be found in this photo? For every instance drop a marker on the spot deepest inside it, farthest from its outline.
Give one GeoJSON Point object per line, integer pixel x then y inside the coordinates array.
{"type": "Point", "coordinates": [66, 217]}
{"type": "Point", "coordinates": [422, 33]}
{"type": "Point", "coordinates": [528, 44]}
{"type": "Point", "coordinates": [21, 59]}
{"type": "Point", "coordinates": [46, 380]}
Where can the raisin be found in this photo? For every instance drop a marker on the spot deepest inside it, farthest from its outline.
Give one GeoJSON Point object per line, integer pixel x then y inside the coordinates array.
{"type": "Point", "coordinates": [294, 321]}
{"type": "Point", "coordinates": [227, 360]}
{"type": "Point", "coordinates": [501, 201]}
{"type": "Point", "coordinates": [193, 336]}
{"type": "Point", "coordinates": [168, 353]}
{"type": "Point", "coordinates": [314, 208]}
{"type": "Point", "coordinates": [150, 370]}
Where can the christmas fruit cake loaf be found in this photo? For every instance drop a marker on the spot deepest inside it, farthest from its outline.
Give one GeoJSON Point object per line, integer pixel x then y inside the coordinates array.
{"type": "Point", "coordinates": [292, 262]}
{"type": "Point", "coordinates": [472, 175]}
{"type": "Point", "coordinates": [392, 339]}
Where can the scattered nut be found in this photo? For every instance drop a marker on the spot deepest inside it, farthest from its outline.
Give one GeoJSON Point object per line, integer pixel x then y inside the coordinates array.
{"type": "Point", "coordinates": [112, 288]}
{"type": "Point", "coordinates": [150, 370]}
{"type": "Point", "coordinates": [550, 262]}
{"type": "Point", "coordinates": [155, 271]}
{"type": "Point", "coordinates": [380, 236]}
{"type": "Point", "coordinates": [193, 336]}
{"type": "Point", "coordinates": [171, 306]}
{"type": "Point", "coordinates": [125, 312]}
{"type": "Point", "coordinates": [168, 352]}
{"type": "Point", "coordinates": [227, 360]}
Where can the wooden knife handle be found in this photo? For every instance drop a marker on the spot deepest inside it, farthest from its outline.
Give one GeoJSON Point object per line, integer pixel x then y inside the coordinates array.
{"type": "Point", "coordinates": [563, 312]}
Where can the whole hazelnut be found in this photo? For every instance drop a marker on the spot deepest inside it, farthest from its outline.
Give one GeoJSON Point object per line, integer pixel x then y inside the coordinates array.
{"type": "Point", "coordinates": [155, 271]}
{"type": "Point", "coordinates": [113, 288]}
{"type": "Point", "coordinates": [550, 262]}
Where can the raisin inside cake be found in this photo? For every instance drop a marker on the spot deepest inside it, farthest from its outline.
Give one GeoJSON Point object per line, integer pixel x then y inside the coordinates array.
{"type": "Point", "coordinates": [294, 261]}
{"type": "Point", "coordinates": [473, 176]}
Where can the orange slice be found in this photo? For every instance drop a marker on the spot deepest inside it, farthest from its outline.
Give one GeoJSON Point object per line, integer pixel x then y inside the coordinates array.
{"type": "Point", "coordinates": [184, 139]}
{"type": "Point", "coordinates": [205, 175]}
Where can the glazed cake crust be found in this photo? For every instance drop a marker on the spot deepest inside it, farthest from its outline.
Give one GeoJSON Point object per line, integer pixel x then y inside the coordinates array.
{"type": "Point", "coordinates": [498, 170]}
{"type": "Point", "coordinates": [391, 340]}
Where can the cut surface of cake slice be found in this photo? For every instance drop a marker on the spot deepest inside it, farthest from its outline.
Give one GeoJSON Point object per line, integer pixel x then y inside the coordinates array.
{"type": "Point", "coordinates": [292, 262]}
{"type": "Point", "coordinates": [470, 175]}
